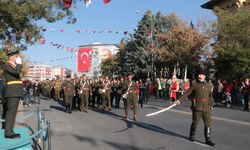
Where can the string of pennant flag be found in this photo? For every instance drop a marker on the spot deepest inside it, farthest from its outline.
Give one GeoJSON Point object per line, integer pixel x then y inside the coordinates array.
{"type": "Point", "coordinates": [58, 46]}
{"type": "Point", "coordinates": [68, 3]}
{"type": "Point", "coordinates": [86, 31]}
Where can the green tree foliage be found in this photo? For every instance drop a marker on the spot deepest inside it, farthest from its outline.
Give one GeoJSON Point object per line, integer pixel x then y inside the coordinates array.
{"type": "Point", "coordinates": [18, 20]}
{"type": "Point", "coordinates": [109, 66]}
{"type": "Point", "coordinates": [18, 26]}
{"type": "Point", "coordinates": [233, 45]}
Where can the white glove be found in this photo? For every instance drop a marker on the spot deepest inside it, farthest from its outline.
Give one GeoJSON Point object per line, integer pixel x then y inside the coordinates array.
{"type": "Point", "coordinates": [18, 60]}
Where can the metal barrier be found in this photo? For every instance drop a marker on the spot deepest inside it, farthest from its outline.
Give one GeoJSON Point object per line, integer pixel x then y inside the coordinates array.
{"type": "Point", "coordinates": [43, 131]}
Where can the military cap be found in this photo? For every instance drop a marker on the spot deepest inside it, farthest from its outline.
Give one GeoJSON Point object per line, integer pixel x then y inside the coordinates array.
{"type": "Point", "coordinates": [12, 52]}
{"type": "Point", "coordinates": [203, 72]}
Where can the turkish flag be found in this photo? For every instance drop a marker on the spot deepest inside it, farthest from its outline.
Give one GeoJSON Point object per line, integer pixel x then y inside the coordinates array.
{"type": "Point", "coordinates": [67, 3]}
{"type": "Point", "coordinates": [84, 59]}
{"type": "Point", "coordinates": [106, 1]}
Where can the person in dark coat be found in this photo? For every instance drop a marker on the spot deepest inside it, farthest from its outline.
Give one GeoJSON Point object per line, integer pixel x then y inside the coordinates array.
{"type": "Point", "coordinates": [13, 91]}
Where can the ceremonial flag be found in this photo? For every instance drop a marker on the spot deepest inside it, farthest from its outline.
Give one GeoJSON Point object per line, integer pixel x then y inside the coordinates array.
{"type": "Point", "coordinates": [87, 2]}
{"type": "Point", "coordinates": [67, 3]}
{"type": "Point", "coordinates": [84, 59]}
{"type": "Point", "coordinates": [106, 1]}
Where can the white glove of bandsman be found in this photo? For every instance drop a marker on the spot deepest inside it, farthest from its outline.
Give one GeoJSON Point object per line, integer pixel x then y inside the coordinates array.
{"type": "Point", "coordinates": [18, 60]}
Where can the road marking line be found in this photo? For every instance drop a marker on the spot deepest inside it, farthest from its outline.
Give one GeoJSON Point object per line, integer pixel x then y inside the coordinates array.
{"type": "Point", "coordinates": [213, 117]}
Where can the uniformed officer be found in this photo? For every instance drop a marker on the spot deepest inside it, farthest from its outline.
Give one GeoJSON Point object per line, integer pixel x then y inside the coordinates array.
{"type": "Point", "coordinates": [130, 97]}
{"type": "Point", "coordinates": [95, 92]}
{"type": "Point", "coordinates": [84, 90]}
{"type": "Point", "coordinates": [202, 105]}
{"type": "Point", "coordinates": [106, 87]}
{"type": "Point", "coordinates": [58, 86]}
{"type": "Point", "coordinates": [69, 92]}
{"type": "Point", "coordinates": [13, 91]}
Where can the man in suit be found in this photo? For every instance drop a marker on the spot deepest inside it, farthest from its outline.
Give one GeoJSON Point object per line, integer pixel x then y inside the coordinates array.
{"type": "Point", "coordinates": [13, 91]}
{"type": "Point", "coordinates": [202, 105]}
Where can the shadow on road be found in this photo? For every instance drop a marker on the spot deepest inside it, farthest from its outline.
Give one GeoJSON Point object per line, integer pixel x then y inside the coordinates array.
{"type": "Point", "coordinates": [131, 123]}
{"type": "Point", "coordinates": [57, 108]}
{"type": "Point", "coordinates": [115, 145]}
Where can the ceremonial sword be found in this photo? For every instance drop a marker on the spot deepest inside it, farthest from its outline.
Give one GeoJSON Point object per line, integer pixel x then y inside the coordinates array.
{"type": "Point", "coordinates": [160, 111]}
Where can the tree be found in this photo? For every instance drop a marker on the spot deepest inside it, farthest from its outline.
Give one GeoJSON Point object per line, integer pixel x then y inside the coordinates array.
{"type": "Point", "coordinates": [183, 45]}
{"type": "Point", "coordinates": [18, 21]}
{"type": "Point", "coordinates": [233, 45]}
{"type": "Point", "coordinates": [109, 65]}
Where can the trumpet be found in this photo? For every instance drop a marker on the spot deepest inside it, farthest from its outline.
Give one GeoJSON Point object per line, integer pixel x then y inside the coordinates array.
{"type": "Point", "coordinates": [125, 95]}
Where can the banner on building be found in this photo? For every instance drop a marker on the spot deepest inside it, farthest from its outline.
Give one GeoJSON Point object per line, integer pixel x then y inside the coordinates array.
{"type": "Point", "coordinates": [84, 59]}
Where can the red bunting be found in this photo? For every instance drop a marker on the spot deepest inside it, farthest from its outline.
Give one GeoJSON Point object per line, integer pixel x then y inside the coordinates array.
{"type": "Point", "coordinates": [67, 3]}
{"type": "Point", "coordinates": [106, 1]}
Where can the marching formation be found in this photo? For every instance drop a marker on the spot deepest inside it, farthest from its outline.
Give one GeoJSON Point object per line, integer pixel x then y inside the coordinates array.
{"type": "Point", "coordinates": [80, 93]}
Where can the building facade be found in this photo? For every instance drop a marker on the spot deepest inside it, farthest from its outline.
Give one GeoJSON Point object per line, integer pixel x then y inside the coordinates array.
{"type": "Point", "coordinates": [91, 56]}
{"type": "Point", "coordinates": [226, 4]}
{"type": "Point", "coordinates": [43, 72]}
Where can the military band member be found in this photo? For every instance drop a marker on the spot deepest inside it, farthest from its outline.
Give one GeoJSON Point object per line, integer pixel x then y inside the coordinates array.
{"type": "Point", "coordinates": [58, 86]}
{"type": "Point", "coordinates": [13, 91]}
{"type": "Point", "coordinates": [84, 90]}
{"type": "Point", "coordinates": [131, 97]}
{"type": "Point", "coordinates": [105, 90]}
{"type": "Point", "coordinates": [69, 93]}
{"type": "Point", "coordinates": [48, 87]}
{"type": "Point", "coordinates": [95, 93]}
{"type": "Point", "coordinates": [37, 91]}
{"type": "Point", "coordinates": [113, 92]}
{"type": "Point", "coordinates": [202, 105]}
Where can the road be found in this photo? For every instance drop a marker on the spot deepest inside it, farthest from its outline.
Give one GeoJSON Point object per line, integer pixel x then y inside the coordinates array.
{"type": "Point", "coordinates": [103, 130]}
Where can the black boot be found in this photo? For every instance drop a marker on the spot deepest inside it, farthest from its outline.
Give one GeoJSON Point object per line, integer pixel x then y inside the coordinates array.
{"type": "Point", "coordinates": [66, 108]}
{"type": "Point", "coordinates": [70, 109]}
{"type": "Point", "coordinates": [207, 131]}
{"type": "Point", "coordinates": [192, 133]}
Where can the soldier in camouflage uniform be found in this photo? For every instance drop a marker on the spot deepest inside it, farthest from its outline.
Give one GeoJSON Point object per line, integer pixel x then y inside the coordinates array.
{"type": "Point", "coordinates": [69, 93]}
{"type": "Point", "coordinates": [202, 105]}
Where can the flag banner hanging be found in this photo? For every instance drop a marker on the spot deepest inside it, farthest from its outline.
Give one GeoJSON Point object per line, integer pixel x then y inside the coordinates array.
{"type": "Point", "coordinates": [84, 59]}
{"type": "Point", "coordinates": [106, 1]}
{"type": "Point", "coordinates": [68, 3]}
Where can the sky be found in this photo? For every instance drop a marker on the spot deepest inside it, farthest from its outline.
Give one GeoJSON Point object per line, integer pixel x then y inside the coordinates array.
{"type": "Point", "coordinates": [118, 15]}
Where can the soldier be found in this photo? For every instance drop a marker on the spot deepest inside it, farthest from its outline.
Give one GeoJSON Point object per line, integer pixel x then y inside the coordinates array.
{"type": "Point", "coordinates": [113, 92]}
{"type": "Point", "coordinates": [95, 92]}
{"type": "Point", "coordinates": [37, 91]}
{"type": "Point", "coordinates": [47, 87]}
{"type": "Point", "coordinates": [13, 91]}
{"type": "Point", "coordinates": [84, 90]}
{"type": "Point", "coordinates": [58, 86]}
{"type": "Point", "coordinates": [106, 88]}
{"type": "Point", "coordinates": [202, 105]}
{"type": "Point", "coordinates": [130, 97]}
{"type": "Point", "coordinates": [69, 93]}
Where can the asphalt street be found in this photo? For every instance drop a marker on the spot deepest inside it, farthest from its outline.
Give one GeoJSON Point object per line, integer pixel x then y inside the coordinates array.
{"type": "Point", "coordinates": [103, 130]}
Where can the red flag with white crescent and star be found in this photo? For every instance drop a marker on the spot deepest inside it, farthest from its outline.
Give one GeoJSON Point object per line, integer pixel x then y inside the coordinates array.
{"type": "Point", "coordinates": [84, 59]}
